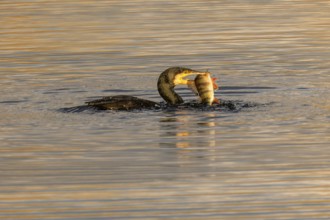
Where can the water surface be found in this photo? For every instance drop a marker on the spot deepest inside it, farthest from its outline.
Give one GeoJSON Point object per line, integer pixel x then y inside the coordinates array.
{"type": "Point", "coordinates": [270, 161]}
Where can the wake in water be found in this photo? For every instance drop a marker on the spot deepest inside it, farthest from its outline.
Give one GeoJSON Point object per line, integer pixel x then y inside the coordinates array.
{"type": "Point", "coordinates": [225, 105]}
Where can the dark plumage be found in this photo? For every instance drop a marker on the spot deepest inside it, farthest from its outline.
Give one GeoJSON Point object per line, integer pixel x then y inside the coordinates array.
{"type": "Point", "coordinates": [122, 102]}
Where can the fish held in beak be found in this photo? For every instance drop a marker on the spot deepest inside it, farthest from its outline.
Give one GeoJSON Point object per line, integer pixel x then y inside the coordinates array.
{"type": "Point", "coordinates": [204, 87]}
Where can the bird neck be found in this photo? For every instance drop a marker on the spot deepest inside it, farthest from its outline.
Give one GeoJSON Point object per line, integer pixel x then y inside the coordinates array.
{"type": "Point", "coordinates": [169, 79]}
{"type": "Point", "coordinates": [166, 91]}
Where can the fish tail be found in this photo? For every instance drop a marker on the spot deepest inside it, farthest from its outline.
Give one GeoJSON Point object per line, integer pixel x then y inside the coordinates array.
{"type": "Point", "coordinates": [216, 101]}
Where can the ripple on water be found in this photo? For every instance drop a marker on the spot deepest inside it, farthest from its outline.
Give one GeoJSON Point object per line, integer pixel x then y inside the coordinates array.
{"type": "Point", "coordinates": [13, 102]}
{"type": "Point", "coordinates": [224, 106]}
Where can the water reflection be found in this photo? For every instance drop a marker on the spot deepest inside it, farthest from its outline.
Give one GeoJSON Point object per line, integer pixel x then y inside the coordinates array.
{"type": "Point", "coordinates": [184, 131]}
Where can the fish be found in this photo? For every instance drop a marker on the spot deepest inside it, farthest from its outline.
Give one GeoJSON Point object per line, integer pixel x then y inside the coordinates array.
{"type": "Point", "coordinates": [204, 87]}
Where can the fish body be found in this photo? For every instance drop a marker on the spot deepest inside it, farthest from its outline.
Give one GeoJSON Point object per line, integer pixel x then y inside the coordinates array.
{"type": "Point", "coordinates": [204, 87]}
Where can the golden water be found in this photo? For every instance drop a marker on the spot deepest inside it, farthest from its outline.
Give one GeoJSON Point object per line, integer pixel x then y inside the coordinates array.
{"type": "Point", "coordinates": [267, 162]}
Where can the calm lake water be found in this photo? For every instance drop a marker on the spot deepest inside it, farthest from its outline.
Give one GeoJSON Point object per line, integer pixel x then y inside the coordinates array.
{"type": "Point", "coordinates": [271, 161]}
